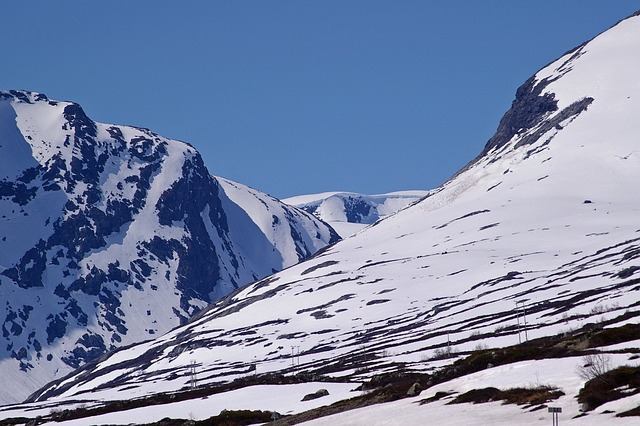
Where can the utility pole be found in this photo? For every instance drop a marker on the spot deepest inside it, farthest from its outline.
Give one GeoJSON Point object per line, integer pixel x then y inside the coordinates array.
{"type": "Point", "coordinates": [193, 381]}
{"type": "Point", "coordinates": [524, 318]}
{"type": "Point", "coordinates": [295, 356]}
{"type": "Point", "coordinates": [518, 319]}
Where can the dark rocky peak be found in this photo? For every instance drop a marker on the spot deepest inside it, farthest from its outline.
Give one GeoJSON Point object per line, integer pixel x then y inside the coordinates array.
{"type": "Point", "coordinates": [528, 109]}
{"type": "Point", "coordinates": [79, 122]}
{"type": "Point", "coordinates": [533, 112]}
{"type": "Point", "coordinates": [23, 96]}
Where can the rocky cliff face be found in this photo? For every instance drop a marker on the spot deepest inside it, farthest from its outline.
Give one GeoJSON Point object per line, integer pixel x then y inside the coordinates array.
{"type": "Point", "coordinates": [111, 234]}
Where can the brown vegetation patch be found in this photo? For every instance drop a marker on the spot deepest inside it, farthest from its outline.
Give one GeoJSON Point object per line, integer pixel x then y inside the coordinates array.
{"type": "Point", "coordinates": [519, 396]}
{"type": "Point", "coordinates": [610, 386]}
{"type": "Point", "coordinates": [531, 396]}
{"type": "Point", "coordinates": [437, 397]}
{"type": "Point", "coordinates": [615, 335]}
{"type": "Point", "coordinates": [478, 396]}
{"type": "Point", "coordinates": [225, 418]}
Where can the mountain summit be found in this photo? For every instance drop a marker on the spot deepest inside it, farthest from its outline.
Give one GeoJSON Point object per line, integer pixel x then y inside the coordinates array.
{"type": "Point", "coordinates": [538, 234]}
{"type": "Point", "coordinates": [110, 235]}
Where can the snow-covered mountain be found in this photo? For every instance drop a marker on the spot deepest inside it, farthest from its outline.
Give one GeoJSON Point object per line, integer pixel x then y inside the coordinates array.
{"type": "Point", "coordinates": [536, 236]}
{"type": "Point", "coordinates": [539, 234]}
{"type": "Point", "coordinates": [348, 212]}
{"type": "Point", "coordinates": [110, 235]}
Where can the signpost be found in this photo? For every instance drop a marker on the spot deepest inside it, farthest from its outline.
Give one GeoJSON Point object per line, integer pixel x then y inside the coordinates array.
{"type": "Point", "coordinates": [554, 415]}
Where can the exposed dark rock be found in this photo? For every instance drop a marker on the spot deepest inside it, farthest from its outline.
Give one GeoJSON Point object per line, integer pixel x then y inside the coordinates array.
{"type": "Point", "coordinates": [415, 389]}
{"type": "Point", "coordinates": [183, 202]}
{"type": "Point", "coordinates": [569, 112]}
{"type": "Point", "coordinates": [19, 193]}
{"type": "Point", "coordinates": [56, 328]}
{"type": "Point", "coordinates": [627, 272]}
{"type": "Point", "coordinates": [77, 312]}
{"type": "Point", "coordinates": [528, 109]}
{"type": "Point", "coordinates": [318, 266]}
{"type": "Point", "coordinates": [79, 121]}
{"type": "Point", "coordinates": [28, 272]}
{"type": "Point", "coordinates": [531, 110]}
{"type": "Point", "coordinates": [93, 347]}
{"type": "Point", "coordinates": [377, 301]}
{"type": "Point", "coordinates": [317, 394]}
{"type": "Point", "coordinates": [326, 305]}
{"type": "Point", "coordinates": [357, 209]}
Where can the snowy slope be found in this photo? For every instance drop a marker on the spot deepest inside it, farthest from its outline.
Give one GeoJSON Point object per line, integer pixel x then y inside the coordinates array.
{"type": "Point", "coordinates": [348, 212]}
{"type": "Point", "coordinates": [430, 406]}
{"type": "Point", "coordinates": [291, 234]}
{"type": "Point", "coordinates": [549, 372]}
{"type": "Point", "coordinates": [284, 399]}
{"type": "Point", "coordinates": [537, 235]}
{"type": "Point", "coordinates": [111, 235]}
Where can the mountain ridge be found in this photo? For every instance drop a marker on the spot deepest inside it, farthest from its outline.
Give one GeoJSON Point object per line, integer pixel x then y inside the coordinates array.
{"type": "Point", "coordinates": [112, 234]}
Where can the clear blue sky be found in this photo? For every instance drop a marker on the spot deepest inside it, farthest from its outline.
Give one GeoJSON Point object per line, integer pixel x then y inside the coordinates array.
{"type": "Point", "coordinates": [297, 97]}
